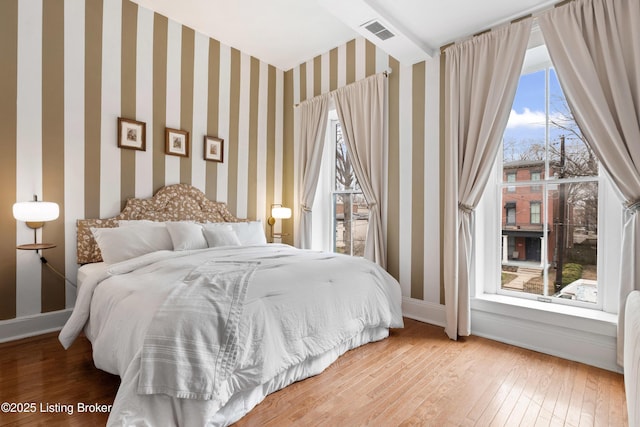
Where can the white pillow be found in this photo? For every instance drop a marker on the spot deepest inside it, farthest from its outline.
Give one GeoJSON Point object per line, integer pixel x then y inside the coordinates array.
{"type": "Point", "coordinates": [249, 233]}
{"type": "Point", "coordinates": [186, 236]}
{"type": "Point", "coordinates": [122, 243]}
{"type": "Point", "coordinates": [222, 235]}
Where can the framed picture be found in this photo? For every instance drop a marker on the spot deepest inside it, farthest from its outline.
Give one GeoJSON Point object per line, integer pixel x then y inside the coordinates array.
{"type": "Point", "coordinates": [132, 134]}
{"type": "Point", "coordinates": [176, 142]}
{"type": "Point", "coordinates": [213, 149]}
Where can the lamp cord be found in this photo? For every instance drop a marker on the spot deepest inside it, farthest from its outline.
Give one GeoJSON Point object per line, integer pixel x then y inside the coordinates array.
{"type": "Point", "coordinates": [45, 262]}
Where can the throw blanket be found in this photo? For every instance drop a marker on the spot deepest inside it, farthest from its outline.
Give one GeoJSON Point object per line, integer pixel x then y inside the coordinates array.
{"type": "Point", "coordinates": [191, 345]}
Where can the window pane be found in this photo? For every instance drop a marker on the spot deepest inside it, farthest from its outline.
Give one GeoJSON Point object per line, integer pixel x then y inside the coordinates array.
{"type": "Point", "coordinates": [574, 241]}
{"type": "Point", "coordinates": [524, 138]}
{"type": "Point", "coordinates": [522, 227]}
{"type": "Point", "coordinates": [569, 153]}
{"type": "Point", "coordinates": [565, 251]}
{"type": "Point", "coordinates": [351, 222]}
{"type": "Point", "coordinates": [351, 211]}
{"type": "Point", "coordinates": [345, 176]}
{"type": "Point", "coordinates": [524, 252]}
{"type": "Point", "coordinates": [360, 223]}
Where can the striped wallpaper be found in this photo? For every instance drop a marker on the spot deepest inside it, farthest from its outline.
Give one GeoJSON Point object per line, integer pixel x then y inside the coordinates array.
{"type": "Point", "coordinates": [414, 154]}
{"type": "Point", "coordinates": [70, 69]}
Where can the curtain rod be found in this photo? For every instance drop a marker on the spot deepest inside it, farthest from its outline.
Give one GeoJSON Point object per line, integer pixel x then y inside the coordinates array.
{"type": "Point", "coordinates": [384, 73]}
{"type": "Point", "coordinates": [513, 21]}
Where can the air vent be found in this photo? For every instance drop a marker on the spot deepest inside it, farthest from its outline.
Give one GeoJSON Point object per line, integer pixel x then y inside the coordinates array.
{"type": "Point", "coordinates": [379, 30]}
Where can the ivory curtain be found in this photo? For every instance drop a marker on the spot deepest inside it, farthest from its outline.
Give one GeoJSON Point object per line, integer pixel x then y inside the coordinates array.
{"type": "Point", "coordinates": [481, 80]}
{"type": "Point", "coordinates": [595, 47]}
{"type": "Point", "coordinates": [360, 108]}
{"type": "Point", "coordinates": [313, 124]}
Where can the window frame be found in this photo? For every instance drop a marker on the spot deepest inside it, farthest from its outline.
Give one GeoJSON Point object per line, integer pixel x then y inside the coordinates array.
{"type": "Point", "coordinates": [510, 207]}
{"type": "Point", "coordinates": [491, 243]}
{"type": "Point", "coordinates": [331, 141]}
{"type": "Point", "coordinates": [537, 203]}
{"type": "Point", "coordinates": [549, 180]}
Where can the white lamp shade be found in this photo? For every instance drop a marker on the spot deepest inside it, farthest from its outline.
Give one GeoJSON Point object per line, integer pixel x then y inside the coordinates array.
{"type": "Point", "coordinates": [36, 211]}
{"type": "Point", "coordinates": [280, 213]}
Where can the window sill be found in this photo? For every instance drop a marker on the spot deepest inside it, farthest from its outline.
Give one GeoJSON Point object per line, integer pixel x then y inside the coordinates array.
{"type": "Point", "coordinates": [576, 318]}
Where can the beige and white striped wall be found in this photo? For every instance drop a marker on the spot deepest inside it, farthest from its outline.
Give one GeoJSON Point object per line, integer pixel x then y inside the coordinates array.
{"type": "Point", "coordinates": [70, 69]}
{"type": "Point", "coordinates": [414, 160]}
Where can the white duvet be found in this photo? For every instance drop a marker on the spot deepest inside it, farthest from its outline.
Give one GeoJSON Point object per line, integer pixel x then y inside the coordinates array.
{"type": "Point", "coordinates": [301, 310]}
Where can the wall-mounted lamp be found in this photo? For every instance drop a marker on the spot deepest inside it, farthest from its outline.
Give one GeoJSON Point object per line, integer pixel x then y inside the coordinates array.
{"type": "Point", "coordinates": [278, 212]}
{"type": "Point", "coordinates": [35, 214]}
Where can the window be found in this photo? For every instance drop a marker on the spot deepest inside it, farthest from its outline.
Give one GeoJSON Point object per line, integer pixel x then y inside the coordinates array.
{"type": "Point", "coordinates": [534, 209]}
{"type": "Point", "coordinates": [340, 211]}
{"type": "Point", "coordinates": [535, 176]}
{"type": "Point", "coordinates": [511, 213]}
{"type": "Point", "coordinates": [349, 207]}
{"type": "Point", "coordinates": [552, 174]}
{"type": "Point", "coordinates": [511, 177]}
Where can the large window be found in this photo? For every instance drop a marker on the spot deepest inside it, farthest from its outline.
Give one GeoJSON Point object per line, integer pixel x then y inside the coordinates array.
{"type": "Point", "coordinates": [550, 243]}
{"type": "Point", "coordinates": [349, 207]}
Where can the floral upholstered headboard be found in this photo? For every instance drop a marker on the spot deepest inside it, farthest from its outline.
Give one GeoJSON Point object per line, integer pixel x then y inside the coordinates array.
{"type": "Point", "coordinates": [179, 202]}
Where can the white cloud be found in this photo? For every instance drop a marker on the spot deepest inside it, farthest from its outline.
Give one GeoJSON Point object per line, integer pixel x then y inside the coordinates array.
{"type": "Point", "coordinates": [530, 119]}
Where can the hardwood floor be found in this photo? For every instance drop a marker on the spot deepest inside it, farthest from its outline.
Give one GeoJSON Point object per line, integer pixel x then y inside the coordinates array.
{"type": "Point", "coordinates": [38, 370]}
{"type": "Point", "coordinates": [415, 377]}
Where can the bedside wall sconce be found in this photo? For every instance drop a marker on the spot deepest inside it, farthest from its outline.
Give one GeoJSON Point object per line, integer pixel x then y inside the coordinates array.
{"type": "Point", "coordinates": [277, 212]}
{"type": "Point", "coordinates": [35, 214]}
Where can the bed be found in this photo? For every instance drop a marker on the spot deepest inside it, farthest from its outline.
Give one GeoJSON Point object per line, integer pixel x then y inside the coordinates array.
{"type": "Point", "coordinates": [202, 319]}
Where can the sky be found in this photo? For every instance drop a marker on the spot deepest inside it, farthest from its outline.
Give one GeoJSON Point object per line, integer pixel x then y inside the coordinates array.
{"type": "Point", "coordinates": [527, 119]}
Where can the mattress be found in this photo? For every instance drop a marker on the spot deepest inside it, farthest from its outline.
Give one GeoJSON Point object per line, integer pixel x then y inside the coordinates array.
{"type": "Point", "coordinates": [301, 311]}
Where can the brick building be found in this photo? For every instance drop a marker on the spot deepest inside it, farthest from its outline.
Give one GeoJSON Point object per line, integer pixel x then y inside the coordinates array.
{"type": "Point", "coordinates": [523, 214]}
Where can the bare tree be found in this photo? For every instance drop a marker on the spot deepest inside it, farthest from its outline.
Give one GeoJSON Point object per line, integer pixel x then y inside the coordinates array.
{"type": "Point", "coordinates": [345, 176]}
{"type": "Point", "coordinates": [345, 180]}
{"type": "Point", "coordinates": [580, 160]}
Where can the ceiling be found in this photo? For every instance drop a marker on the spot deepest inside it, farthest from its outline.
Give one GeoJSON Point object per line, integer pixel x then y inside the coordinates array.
{"type": "Point", "coordinates": [286, 33]}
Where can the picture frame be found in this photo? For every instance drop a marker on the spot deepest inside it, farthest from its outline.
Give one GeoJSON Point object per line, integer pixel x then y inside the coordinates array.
{"type": "Point", "coordinates": [214, 149]}
{"type": "Point", "coordinates": [176, 142]}
{"type": "Point", "coordinates": [132, 134]}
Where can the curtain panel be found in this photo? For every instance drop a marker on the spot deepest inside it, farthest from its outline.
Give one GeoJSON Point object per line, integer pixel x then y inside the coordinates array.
{"type": "Point", "coordinates": [360, 108]}
{"type": "Point", "coordinates": [313, 115]}
{"type": "Point", "coordinates": [595, 47]}
{"type": "Point", "coordinates": [482, 76]}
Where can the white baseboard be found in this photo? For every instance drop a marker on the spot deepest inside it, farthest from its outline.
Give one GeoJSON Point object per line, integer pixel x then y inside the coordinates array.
{"type": "Point", "coordinates": [588, 341]}
{"type": "Point", "coordinates": [424, 311]}
{"type": "Point", "coordinates": [571, 345]}
{"type": "Point", "coordinates": [37, 324]}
